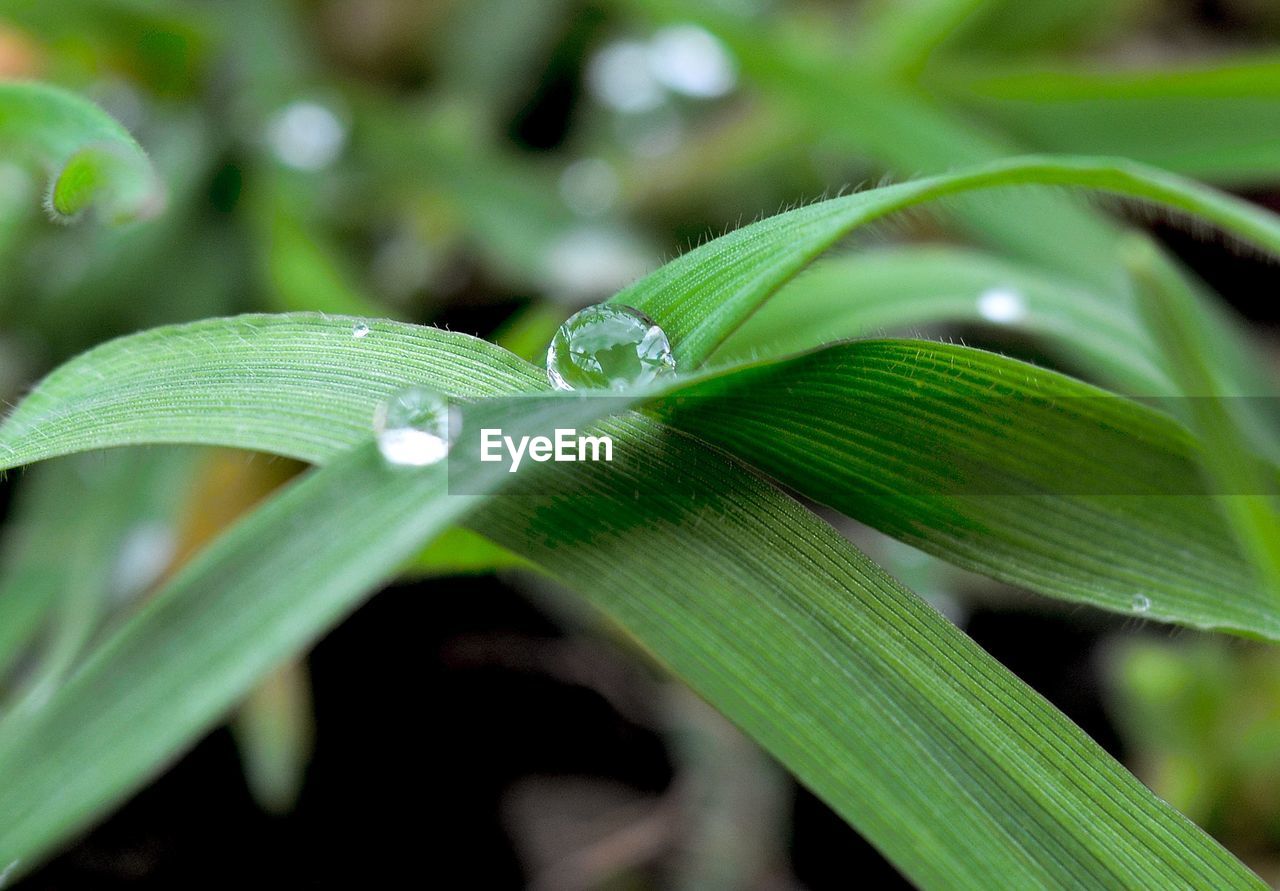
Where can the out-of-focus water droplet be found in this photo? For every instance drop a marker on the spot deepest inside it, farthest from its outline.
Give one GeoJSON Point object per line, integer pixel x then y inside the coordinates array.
{"type": "Point", "coordinates": [594, 261]}
{"type": "Point", "coordinates": [144, 555]}
{"type": "Point", "coordinates": [416, 427]}
{"type": "Point", "coordinates": [689, 60]}
{"type": "Point", "coordinates": [1002, 306]}
{"type": "Point", "coordinates": [1140, 603]}
{"type": "Point", "coordinates": [7, 872]}
{"type": "Point", "coordinates": [620, 77]}
{"type": "Point", "coordinates": [608, 347]}
{"type": "Point", "coordinates": [306, 135]}
{"type": "Point", "coordinates": [359, 329]}
{"type": "Point", "coordinates": [589, 186]}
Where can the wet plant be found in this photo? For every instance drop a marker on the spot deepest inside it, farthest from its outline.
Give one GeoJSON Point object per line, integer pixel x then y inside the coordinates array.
{"type": "Point", "coordinates": [747, 405]}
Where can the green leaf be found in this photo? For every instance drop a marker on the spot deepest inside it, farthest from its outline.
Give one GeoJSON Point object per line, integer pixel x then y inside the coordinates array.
{"type": "Point", "coordinates": [1213, 120]}
{"type": "Point", "coordinates": [301, 385]}
{"type": "Point", "coordinates": [1248, 494]}
{"type": "Point", "coordinates": [901, 288]}
{"type": "Point", "coordinates": [706, 294]}
{"type": "Point", "coordinates": [944, 759]}
{"type": "Point", "coordinates": [263, 591]}
{"type": "Point", "coordinates": [1022, 474]}
{"type": "Point", "coordinates": [959, 773]}
{"type": "Point", "coordinates": [900, 37]}
{"type": "Point", "coordinates": [88, 533]}
{"type": "Point", "coordinates": [92, 159]}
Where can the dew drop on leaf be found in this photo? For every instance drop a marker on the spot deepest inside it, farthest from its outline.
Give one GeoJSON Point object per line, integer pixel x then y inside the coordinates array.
{"type": "Point", "coordinates": [1140, 603]}
{"type": "Point", "coordinates": [608, 347]}
{"type": "Point", "coordinates": [359, 329]}
{"type": "Point", "coordinates": [415, 427]}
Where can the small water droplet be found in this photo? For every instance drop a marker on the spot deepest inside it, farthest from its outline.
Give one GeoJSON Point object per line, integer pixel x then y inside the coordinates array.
{"type": "Point", "coordinates": [416, 427]}
{"type": "Point", "coordinates": [608, 346]}
{"type": "Point", "coordinates": [359, 329]}
{"type": "Point", "coordinates": [1140, 603]}
{"type": "Point", "coordinates": [306, 135]}
{"type": "Point", "coordinates": [1002, 306]}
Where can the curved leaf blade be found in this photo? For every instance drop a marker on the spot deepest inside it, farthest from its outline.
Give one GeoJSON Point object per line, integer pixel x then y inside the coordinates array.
{"type": "Point", "coordinates": [298, 384]}
{"type": "Point", "coordinates": [1212, 120]}
{"type": "Point", "coordinates": [959, 773]}
{"type": "Point", "coordinates": [261, 593]}
{"type": "Point", "coordinates": [907, 728]}
{"type": "Point", "coordinates": [302, 386]}
{"type": "Point", "coordinates": [704, 295]}
{"type": "Point", "coordinates": [91, 157]}
{"type": "Point", "coordinates": [1019, 473]}
{"type": "Point", "coordinates": [897, 289]}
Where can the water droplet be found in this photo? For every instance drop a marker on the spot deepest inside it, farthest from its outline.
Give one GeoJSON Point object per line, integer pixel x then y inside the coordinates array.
{"type": "Point", "coordinates": [589, 186]}
{"type": "Point", "coordinates": [7, 872]}
{"type": "Point", "coordinates": [1140, 603]}
{"type": "Point", "coordinates": [611, 347]}
{"type": "Point", "coordinates": [306, 135]}
{"type": "Point", "coordinates": [416, 427]}
{"type": "Point", "coordinates": [359, 329]}
{"type": "Point", "coordinates": [619, 76]}
{"type": "Point", "coordinates": [688, 60]}
{"type": "Point", "coordinates": [145, 553]}
{"type": "Point", "coordinates": [592, 262]}
{"type": "Point", "coordinates": [1002, 306]}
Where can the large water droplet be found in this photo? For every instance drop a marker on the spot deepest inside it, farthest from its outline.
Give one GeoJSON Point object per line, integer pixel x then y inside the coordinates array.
{"type": "Point", "coordinates": [1140, 603]}
{"type": "Point", "coordinates": [416, 427]}
{"type": "Point", "coordinates": [608, 347]}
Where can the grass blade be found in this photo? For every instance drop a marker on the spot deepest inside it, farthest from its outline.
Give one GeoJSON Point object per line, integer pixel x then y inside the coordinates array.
{"type": "Point", "coordinates": [302, 386]}
{"type": "Point", "coordinates": [1249, 492]}
{"type": "Point", "coordinates": [705, 295]}
{"type": "Point", "coordinates": [901, 288]}
{"type": "Point", "coordinates": [95, 162]}
{"type": "Point", "coordinates": [260, 594]}
{"type": "Point", "coordinates": [1211, 120]}
{"type": "Point", "coordinates": [951, 766]}
{"type": "Point", "coordinates": [959, 773]}
{"type": "Point", "coordinates": [997, 466]}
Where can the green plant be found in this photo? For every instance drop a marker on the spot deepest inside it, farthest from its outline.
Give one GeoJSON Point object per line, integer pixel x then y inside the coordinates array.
{"type": "Point", "coordinates": [959, 772]}
{"type": "Point", "coordinates": [689, 544]}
